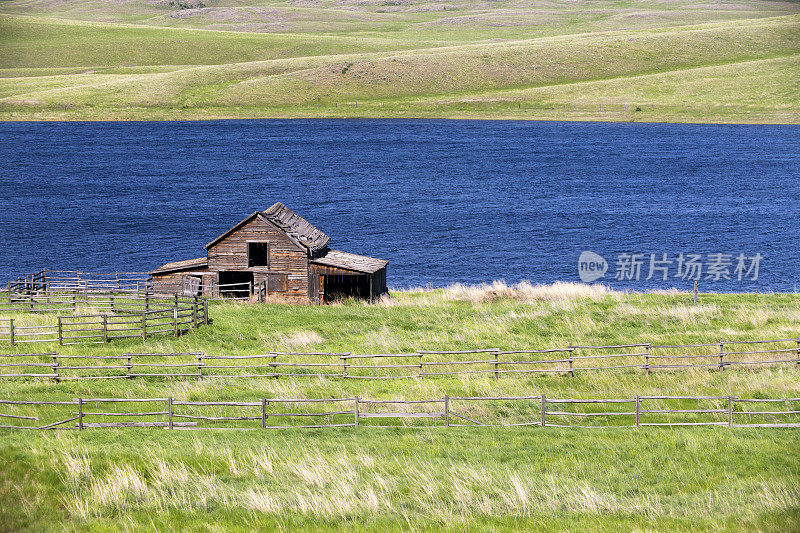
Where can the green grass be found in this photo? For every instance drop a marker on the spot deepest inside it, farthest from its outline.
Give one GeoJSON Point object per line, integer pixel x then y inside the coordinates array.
{"type": "Point", "coordinates": [496, 315]}
{"type": "Point", "coordinates": [47, 43]}
{"type": "Point", "coordinates": [456, 479]}
{"type": "Point", "coordinates": [675, 61]}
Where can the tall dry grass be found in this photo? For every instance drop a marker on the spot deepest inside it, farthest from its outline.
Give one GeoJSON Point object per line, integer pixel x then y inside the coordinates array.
{"type": "Point", "coordinates": [354, 482]}
{"type": "Point", "coordinates": [523, 291]}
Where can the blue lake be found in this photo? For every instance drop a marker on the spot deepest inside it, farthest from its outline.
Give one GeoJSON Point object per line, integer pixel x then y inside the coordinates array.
{"type": "Point", "coordinates": [443, 201]}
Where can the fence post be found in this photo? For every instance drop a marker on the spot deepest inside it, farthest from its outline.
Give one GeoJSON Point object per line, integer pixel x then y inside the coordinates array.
{"type": "Point", "coordinates": [356, 412]}
{"type": "Point", "coordinates": [144, 326]}
{"type": "Point", "coordinates": [55, 367]}
{"type": "Point", "coordinates": [420, 364]}
{"type": "Point", "coordinates": [446, 410]}
{"type": "Point", "coordinates": [80, 414]}
{"type": "Point", "coordinates": [60, 333]}
{"type": "Point", "coordinates": [105, 328]}
{"type": "Point", "coordinates": [571, 360]}
{"type": "Point", "coordinates": [175, 321]}
{"type": "Point", "coordinates": [194, 313]}
{"type": "Point", "coordinates": [275, 366]}
{"type": "Point", "coordinates": [263, 413]}
{"type": "Point", "coordinates": [146, 301]}
{"type": "Point", "coordinates": [344, 365]}
{"type": "Point", "coordinates": [637, 410]}
{"type": "Point", "coordinates": [169, 410]}
{"type": "Point", "coordinates": [11, 331]}
{"type": "Point", "coordinates": [496, 363]}
{"type": "Point", "coordinates": [544, 408]}
{"type": "Point", "coordinates": [730, 411]}
{"type": "Point", "coordinates": [647, 359]}
{"type": "Point", "coordinates": [129, 365]}
{"type": "Point", "coordinates": [205, 311]}
{"type": "Point", "coordinates": [798, 352]}
{"type": "Point", "coordinates": [721, 354]}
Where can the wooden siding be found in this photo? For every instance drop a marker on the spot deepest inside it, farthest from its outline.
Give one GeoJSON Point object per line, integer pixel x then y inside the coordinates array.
{"type": "Point", "coordinates": [169, 283]}
{"type": "Point", "coordinates": [285, 257]}
{"type": "Point", "coordinates": [379, 286]}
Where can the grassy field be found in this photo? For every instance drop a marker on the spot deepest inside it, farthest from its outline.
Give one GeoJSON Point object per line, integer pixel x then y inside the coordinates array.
{"type": "Point", "coordinates": [456, 479]}
{"type": "Point", "coordinates": [470, 480]}
{"type": "Point", "coordinates": [622, 60]}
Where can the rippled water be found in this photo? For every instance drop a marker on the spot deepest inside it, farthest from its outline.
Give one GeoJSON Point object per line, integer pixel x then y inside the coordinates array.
{"type": "Point", "coordinates": [443, 201]}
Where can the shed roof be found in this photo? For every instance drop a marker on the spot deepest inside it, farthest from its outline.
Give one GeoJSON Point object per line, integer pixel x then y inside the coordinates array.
{"type": "Point", "coordinates": [298, 229]}
{"type": "Point", "coordinates": [357, 263]}
{"type": "Point", "coordinates": [177, 266]}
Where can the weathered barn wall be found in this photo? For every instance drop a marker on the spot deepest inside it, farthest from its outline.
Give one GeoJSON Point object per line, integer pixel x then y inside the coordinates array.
{"type": "Point", "coordinates": [171, 282]}
{"type": "Point", "coordinates": [285, 258]}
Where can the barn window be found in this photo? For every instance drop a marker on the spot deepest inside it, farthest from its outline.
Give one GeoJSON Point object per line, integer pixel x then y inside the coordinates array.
{"type": "Point", "coordinates": [278, 282]}
{"type": "Point", "coordinates": [258, 254]}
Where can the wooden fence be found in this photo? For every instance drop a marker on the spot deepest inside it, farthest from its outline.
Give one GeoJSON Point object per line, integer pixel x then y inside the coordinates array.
{"type": "Point", "coordinates": [76, 280]}
{"type": "Point", "coordinates": [455, 411]}
{"type": "Point", "coordinates": [421, 364]}
{"type": "Point", "coordinates": [58, 281]}
{"type": "Point", "coordinates": [115, 315]}
{"type": "Point", "coordinates": [250, 291]}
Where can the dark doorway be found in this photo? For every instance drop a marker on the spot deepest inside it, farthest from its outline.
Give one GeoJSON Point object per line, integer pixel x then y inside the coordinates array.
{"type": "Point", "coordinates": [257, 254]}
{"type": "Point", "coordinates": [235, 284]}
{"type": "Point", "coordinates": [338, 287]}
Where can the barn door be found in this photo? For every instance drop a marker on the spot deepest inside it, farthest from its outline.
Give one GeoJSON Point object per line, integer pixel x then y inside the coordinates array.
{"type": "Point", "coordinates": [314, 284]}
{"type": "Point", "coordinates": [191, 285]}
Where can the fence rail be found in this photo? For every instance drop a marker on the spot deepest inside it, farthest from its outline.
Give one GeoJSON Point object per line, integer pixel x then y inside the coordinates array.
{"type": "Point", "coordinates": [250, 291]}
{"type": "Point", "coordinates": [448, 411]}
{"type": "Point", "coordinates": [344, 365]}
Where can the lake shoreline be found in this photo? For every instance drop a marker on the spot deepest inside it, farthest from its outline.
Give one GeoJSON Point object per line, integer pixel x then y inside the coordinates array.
{"type": "Point", "coordinates": [177, 116]}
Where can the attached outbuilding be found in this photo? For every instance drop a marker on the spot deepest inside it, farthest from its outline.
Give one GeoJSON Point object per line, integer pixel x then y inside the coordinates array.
{"type": "Point", "coordinates": [275, 255]}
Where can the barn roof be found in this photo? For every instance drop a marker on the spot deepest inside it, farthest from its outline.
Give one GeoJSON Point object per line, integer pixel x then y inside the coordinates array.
{"type": "Point", "coordinates": [298, 229]}
{"type": "Point", "coordinates": [358, 263]}
{"type": "Point", "coordinates": [177, 266]}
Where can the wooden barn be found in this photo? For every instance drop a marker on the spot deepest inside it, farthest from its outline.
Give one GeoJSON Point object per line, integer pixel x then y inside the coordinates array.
{"type": "Point", "coordinates": [274, 255]}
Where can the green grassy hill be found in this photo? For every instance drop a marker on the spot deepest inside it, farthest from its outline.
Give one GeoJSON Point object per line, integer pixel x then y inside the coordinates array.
{"type": "Point", "coordinates": [449, 479]}
{"type": "Point", "coordinates": [672, 61]}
